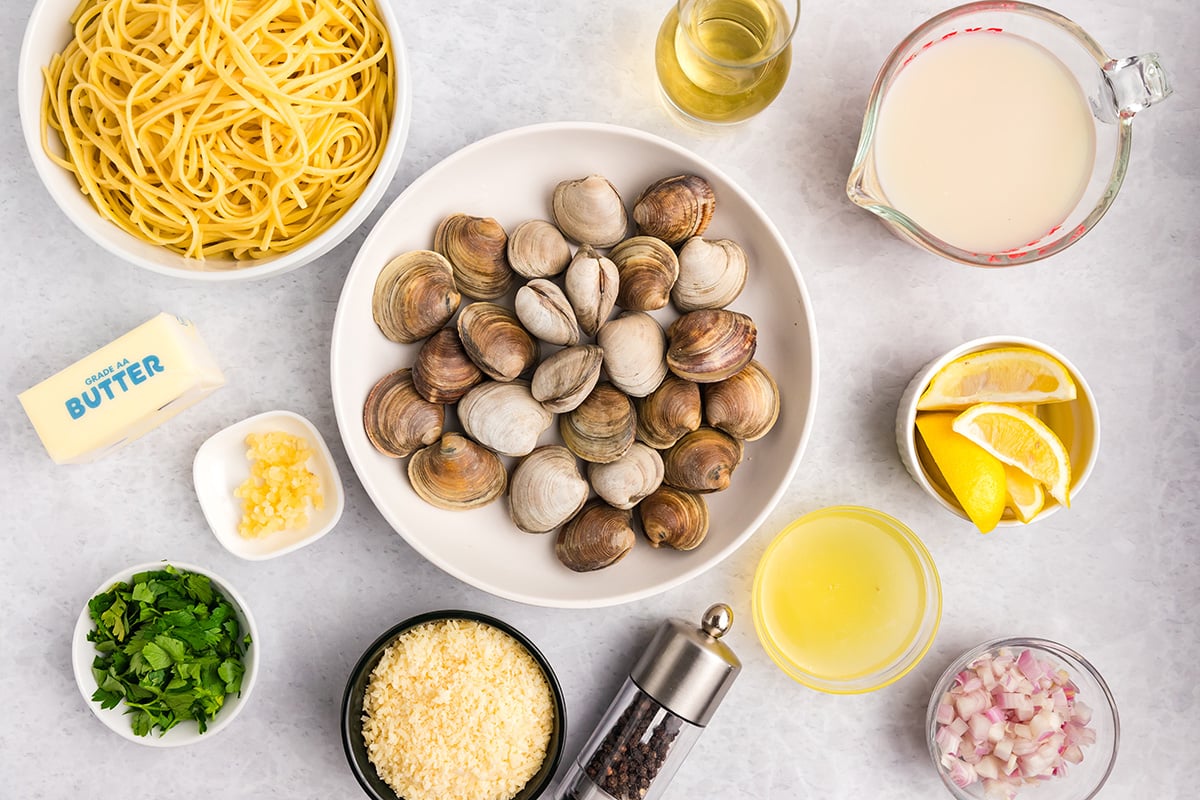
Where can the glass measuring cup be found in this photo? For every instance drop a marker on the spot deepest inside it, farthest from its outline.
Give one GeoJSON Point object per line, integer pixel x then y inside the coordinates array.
{"type": "Point", "coordinates": [1115, 89]}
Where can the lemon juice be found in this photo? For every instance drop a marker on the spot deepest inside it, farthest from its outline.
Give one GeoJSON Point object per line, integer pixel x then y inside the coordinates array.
{"type": "Point", "coordinates": [842, 596]}
{"type": "Point", "coordinates": [724, 60]}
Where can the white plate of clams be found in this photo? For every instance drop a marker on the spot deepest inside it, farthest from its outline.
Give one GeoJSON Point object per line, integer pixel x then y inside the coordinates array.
{"type": "Point", "coordinates": [455, 500]}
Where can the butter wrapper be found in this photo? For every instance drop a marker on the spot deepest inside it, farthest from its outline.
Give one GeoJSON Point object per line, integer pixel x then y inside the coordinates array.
{"type": "Point", "coordinates": [122, 391]}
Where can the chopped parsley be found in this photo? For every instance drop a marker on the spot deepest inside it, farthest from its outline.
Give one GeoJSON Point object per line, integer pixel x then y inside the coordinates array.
{"type": "Point", "coordinates": [169, 645]}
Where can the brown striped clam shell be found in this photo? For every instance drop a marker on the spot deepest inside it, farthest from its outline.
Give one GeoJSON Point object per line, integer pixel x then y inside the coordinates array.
{"type": "Point", "coordinates": [396, 419]}
{"type": "Point", "coordinates": [702, 461]}
{"type": "Point", "coordinates": [495, 341]}
{"type": "Point", "coordinates": [709, 345]}
{"type": "Point", "coordinates": [442, 371]}
{"type": "Point", "coordinates": [477, 249]}
{"type": "Point", "coordinates": [674, 518]}
{"type": "Point", "coordinates": [414, 296]}
{"type": "Point", "coordinates": [597, 537]}
{"type": "Point", "coordinates": [675, 209]}
{"type": "Point", "coordinates": [456, 473]}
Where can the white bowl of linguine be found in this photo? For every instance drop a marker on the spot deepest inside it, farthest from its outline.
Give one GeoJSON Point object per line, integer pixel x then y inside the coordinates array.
{"type": "Point", "coordinates": [215, 146]}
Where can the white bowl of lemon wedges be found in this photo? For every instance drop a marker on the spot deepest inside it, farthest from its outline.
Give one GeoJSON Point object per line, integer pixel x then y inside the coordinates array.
{"type": "Point", "coordinates": [1001, 431]}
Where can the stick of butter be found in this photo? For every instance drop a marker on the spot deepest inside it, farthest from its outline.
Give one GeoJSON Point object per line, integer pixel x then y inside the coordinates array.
{"type": "Point", "coordinates": [123, 390]}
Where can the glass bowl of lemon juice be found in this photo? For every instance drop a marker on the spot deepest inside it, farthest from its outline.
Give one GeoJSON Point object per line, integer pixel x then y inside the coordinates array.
{"type": "Point", "coordinates": [846, 600]}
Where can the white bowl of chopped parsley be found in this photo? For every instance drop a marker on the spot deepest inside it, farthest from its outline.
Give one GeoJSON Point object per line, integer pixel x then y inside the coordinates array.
{"type": "Point", "coordinates": [165, 654]}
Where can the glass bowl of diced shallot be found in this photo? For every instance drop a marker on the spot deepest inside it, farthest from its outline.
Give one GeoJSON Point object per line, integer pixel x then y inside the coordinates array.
{"type": "Point", "coordinates": [1023, 718]}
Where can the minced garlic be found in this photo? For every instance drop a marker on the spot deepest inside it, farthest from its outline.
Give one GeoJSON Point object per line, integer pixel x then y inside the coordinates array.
{"type": "Point", "coordinates": [280, 490]}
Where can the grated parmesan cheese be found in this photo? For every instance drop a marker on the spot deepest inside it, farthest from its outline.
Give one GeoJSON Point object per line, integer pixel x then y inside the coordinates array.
{"type": "Point", "coordinates": [457, 710]}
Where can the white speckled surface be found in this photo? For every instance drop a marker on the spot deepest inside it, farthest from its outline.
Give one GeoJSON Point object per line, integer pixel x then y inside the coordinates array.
{"type": "Point", "coordinates": [1115, 577]}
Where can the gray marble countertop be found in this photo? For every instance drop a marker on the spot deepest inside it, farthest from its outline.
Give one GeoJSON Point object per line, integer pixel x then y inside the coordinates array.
{"type": "Point", "coordinates": [1116, 577]}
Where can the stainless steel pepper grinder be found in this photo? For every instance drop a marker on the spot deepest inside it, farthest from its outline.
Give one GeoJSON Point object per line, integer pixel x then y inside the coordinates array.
{"type": "Point", "coordinates": [659, 713]}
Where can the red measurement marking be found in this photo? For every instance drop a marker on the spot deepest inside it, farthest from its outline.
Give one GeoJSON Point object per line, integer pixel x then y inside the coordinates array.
{"type": "Point", "coordinates": [1054, 230]}
{"type": "Point", "coordinates": [946, 36]}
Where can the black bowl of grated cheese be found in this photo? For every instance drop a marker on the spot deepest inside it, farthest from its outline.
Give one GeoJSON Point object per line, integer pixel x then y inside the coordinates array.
{"type": "Point", "coordinates": [453, 704]}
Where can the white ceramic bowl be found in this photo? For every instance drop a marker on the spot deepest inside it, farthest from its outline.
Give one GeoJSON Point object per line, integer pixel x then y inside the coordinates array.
{"type": "Point", "coordinates": [1076, 422]}
{"type": "Point", "coordinates": [83, 653]}
{"type": "Point", "coordinates": [48, 32]}
{"type": "Point", "coordinates": [511, 176]}
{"type": "Point", "coordinates": [221, 466]}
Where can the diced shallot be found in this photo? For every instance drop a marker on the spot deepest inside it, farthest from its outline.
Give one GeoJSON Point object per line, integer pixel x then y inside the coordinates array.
{"type": "Point", "coordinates": [1009, 720]}
{"type": "Point", "coordinates": [1072, 755]}
{"type": "Point", "coordinates": [979, 726]}
{"type": "Point", "coordinates": [989, 767]}
{"type": "Point", "coordinates": [1003, 749]}
{"type": "Point", "coordinates": [962, 774]}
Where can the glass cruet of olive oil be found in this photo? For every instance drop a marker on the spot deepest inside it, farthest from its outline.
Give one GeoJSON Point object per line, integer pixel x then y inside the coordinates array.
{"type": "Point", "coordinates": [723, 61]}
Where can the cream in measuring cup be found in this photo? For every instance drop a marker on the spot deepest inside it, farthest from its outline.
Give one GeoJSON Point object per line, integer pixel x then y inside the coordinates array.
{"type": "Point", "coordinates": [985, 140]}
{"type": "Point", "coordinates": [999, 133]}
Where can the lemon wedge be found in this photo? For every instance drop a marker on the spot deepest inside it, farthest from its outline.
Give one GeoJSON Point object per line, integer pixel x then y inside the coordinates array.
{"type": "Point", "coordinates": [1025, 495]}
{"type": "Point", "coordinates": [1021, 440]}
{"type": "Point", "coordinates": [1002, 375]}
{"type": "Point", "coordinates": [974, 476]}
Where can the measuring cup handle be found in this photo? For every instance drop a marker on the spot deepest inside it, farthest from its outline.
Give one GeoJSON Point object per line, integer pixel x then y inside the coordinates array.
{"type": "Point", "coordinates": [1136, 83]}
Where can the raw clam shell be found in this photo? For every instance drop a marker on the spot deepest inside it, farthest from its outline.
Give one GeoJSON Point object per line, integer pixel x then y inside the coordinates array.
{"type": "Point", "coordinates": [711, 274]}
{"type": "Point", "coordinates": [457, 474]}
{"type": "Point", "coordinates": [702, 461]}
{"type": "Point", "coordinates": [537, 249]}
{"type": "Point", "coordinates": [590, 211]}
{"type": "Point", "coordinates": [668, 412]}
{"type": "Point", "coordinates": [562, 381]}
{"type": "Point", "coordinates": [591, 286]}
{"type": "Point", "coordinates": [710, 344]}
{"type": "Point", "coordinates": [624, 482]}
{"type": "Point", "coordinates": [634, 352]}
{"type": "Point", "coordinates": [504, 417]}
{"type": "Point", "coordinates": [674, 518]}
{"type": "Point", "coordinates": [546, 489]}
{"type": "Point", "coordinates": [477, 248]}
{"type": "Point", "coordinates": [602, 427]}
{"type": "Point", "coordinates": [442, 371]}
{"type": "Point", "coordinates": [397, 420]}
{"type": "Point", "coordinates": [414, 296]}
{"type": "Point", "coordinates": [745, 405]}
{"type": "Point", "coordinates": [647, 268]}
{"type": "Point", "coordinates": [546, 313]}
{"type": "Point", "coordinates": [597, 537]}
{"type": "Point", "coordinates": [495, 341]}
{"type": "Point", "coordinates": [675, 209]}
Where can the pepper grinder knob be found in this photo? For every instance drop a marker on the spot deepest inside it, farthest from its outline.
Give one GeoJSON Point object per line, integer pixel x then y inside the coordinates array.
{"type": "Point", "coordinates": [717, 620]}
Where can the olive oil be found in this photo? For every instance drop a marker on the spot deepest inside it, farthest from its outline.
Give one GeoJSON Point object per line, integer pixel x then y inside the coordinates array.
{"type": "Point", "coordinates": [723, 61]}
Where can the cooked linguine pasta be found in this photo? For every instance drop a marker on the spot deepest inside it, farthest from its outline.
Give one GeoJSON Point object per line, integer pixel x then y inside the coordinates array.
{"type": "Point", "coordinates": [233, 129]}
